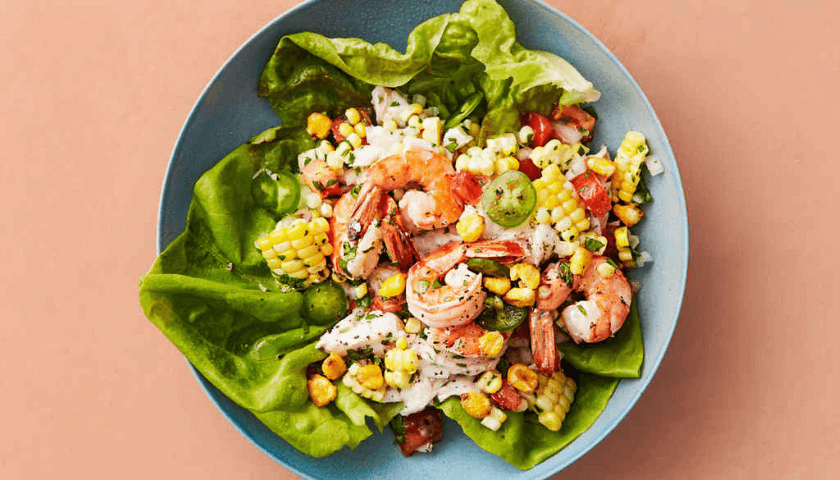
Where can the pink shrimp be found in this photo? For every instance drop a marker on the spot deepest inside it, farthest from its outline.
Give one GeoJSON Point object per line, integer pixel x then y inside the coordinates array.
{"type": "Point", "coordinates": [605, 308]}
{"type": "Point", "coordinates": [357, 244]}
{"type": "Point", "coordinates": [594, 319]}
{"type": "Point", "coordinates": [429, 170]}
{"type": "Point", "coordinates": [460, 298]}
{"type": "Point", "coordinates": [461, 340]}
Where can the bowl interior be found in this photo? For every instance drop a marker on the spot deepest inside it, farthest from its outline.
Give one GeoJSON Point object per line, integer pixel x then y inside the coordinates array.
{"type": "Point", "coordinates": [229, 112]}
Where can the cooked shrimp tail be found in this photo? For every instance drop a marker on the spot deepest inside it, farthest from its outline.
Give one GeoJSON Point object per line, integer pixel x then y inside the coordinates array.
{"type": "Point", "coordinates": [398, 242]}
{"type": "Point", "coordinates": [543, 347]}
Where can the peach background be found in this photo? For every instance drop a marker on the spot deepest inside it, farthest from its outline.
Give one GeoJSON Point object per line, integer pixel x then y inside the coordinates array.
{"type": "Point", "coordinates": [93, 97]}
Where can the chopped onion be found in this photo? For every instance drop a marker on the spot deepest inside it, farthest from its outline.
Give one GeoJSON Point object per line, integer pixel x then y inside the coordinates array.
{"type": "Point", "coordinates": [576, 167]}
{"type": "Point", "coordinates": [524, 153]}
{"type": "Point", "coordinates": [654, 166]}
{"type": "Point", "coordinates": [568, 134]}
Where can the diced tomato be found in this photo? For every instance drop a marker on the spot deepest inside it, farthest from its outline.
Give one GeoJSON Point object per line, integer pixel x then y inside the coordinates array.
{"type": "Point", "coordinates": [592, 192]}
{"type": "Point", "coordinates": [576, 117]}
{"type": "Point", "coordinates": [528, 167]}
{"type": "Point", "coordinates": [508, 398]}
{"type": "Point", "coordinates": [611, 251]}
{"type": "Point", "coordinates": [421, 428]}
{"type": "Point", "coordinates": [365, 118]}
{"type": "Point", "coordinates": [466, 187]}
{"type": "Point", "coordinates": [543, 130]}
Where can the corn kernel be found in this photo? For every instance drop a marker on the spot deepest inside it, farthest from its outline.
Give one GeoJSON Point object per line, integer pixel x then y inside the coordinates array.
{"type": "Point", "coordinates": [397, 379]}
{"type": "Point", "coordinates": [601, 166]}
{"type": "Point", "coordinates": [370, 376]}
{"type": "Point", "coordinates": [497, 285]}
{"type": "Point", "coordinates": [476, 405]}
{"type": "Point", "coordinates": [470, 227]}
{"type": "Point", "coordinates": [333, 366]}
{"type": "Point", "coordinates": [353, 116]}
{"type": "Point", "coordinates": [321, 390]}
{"type": "Point", "coordinates": [393, 285]}
{"type": "Point", "coordinates": [326, 147]}
{"type": "Point", "coordinates": [318, 125]}
{"type": "Point", "coordinates": [360, 129]}
{"type": "Point", "coordinates": [402, 343]}
{"type": "Point", "coordinates": [355, 140]}
{"type": "Point", "coordinates": [605, 270]}
{"type": "Point", "coordinates": [297, 230]}
{"type": "Point", "coordinates": [520, 297]}
{"type": "Point", "coordinates": [263, 243]}
{"type": "Point", "coordinates": [345, 129]}
{"type": "Point", "coordinates": [413, 325]}
{"type": "Point", "coordinates": [522, 378]}
{"type": "Point", "coordinates": [527, 274]}
{"type": "Point", "coordinates": [543, 216]}
{"type": "Point", "coordinates": [491, 343]}
{"type": "Point", "coordinates": [622, 237]}
{"type": "Point", "coordinates": [580, 260]}
{"type": "Point", "coordinates": [490, 381]}
{"type": "Point", "coordinates": [360, 290]}
{"type": "Point", "coordinates": [628, 214]}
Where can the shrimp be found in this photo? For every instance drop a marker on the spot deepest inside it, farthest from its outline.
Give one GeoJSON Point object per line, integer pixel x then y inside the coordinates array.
{"type": "Point", "coordinates": [462, 340]}
{"type": "Point", "coordinates": [432, 172]}
{"type": "Point", "coordinates": [543, 347]}
{"type": "Point", "coordinates": [459, 299]}
{"type": "Point", "coordinates": [393, 304]}
{"type": "Point", "coordinates": [605, 308]}
{"type": "Point", "coordinates": [597, 317]}
{"type": "Point", "coordinates": [355, 250]}
{"type": "Point", "coordinates": [319, 177]}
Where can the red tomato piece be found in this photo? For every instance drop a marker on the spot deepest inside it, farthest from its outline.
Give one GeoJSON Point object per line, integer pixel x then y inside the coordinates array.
{"type": "Point", "coordinates": [528, 167]}
{"type": "Point", "coordinates": [466, 187]}
{"type": "Point", "coordinates": [365, 118]}
{"type": "Point", "coordinates": [592, 192]}
{"type": "Point", "coordinates": [543, 130]}
{"type": "Point", "coordinates": [421, 428]}
{"type": "Point", "coordinates": [508, 398]}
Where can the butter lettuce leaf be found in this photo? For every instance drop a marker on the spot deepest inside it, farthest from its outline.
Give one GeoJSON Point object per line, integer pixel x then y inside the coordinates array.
{"type": "Point", "coordinates": [211, 294]}
{"type": "Point", "coordinates": [522, 441]}
{"type": "Point", "coordinates": [447, 58]}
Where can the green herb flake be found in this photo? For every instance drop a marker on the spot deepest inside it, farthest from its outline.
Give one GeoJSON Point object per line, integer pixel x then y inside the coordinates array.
{"type": "Point", "coordinates": [592, 244]}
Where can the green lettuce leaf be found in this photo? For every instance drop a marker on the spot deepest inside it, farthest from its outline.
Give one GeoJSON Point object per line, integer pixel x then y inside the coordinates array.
{"type": "Point", "coordinates": [447, 59]}
{"type": "Point", "coordinates": [620, 356]}
{"type": "Point", "coordinates": [522, 441]}
{"type": "Point", "coordinates": [212, 295]}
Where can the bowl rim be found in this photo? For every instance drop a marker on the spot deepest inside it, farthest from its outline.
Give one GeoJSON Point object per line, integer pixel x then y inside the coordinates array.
{"type": "Point", "coordinates": [546, 468]}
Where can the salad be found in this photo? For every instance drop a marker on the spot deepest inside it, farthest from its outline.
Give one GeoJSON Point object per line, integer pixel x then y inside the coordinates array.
{"type": "Point", "coordinates": [429, 233]}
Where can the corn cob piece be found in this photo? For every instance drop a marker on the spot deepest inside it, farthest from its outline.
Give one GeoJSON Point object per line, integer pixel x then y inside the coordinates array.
{"type": "Point", "coordinates": [400, 364]}
{"type": "Point", "coordinates": [628, 163]}
{"type": "Point", "coordinates": [552, 399]}
{"type": "Point", "coordinates": [557, 204]}
{"type": "Point", "coordinates": [298, 250]}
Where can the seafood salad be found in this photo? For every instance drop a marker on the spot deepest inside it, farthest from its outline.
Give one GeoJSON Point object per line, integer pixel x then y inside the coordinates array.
{"type": "Point", "coordinates": [463, 266]}
{"type": "Point", "coordinates": [428, 234]}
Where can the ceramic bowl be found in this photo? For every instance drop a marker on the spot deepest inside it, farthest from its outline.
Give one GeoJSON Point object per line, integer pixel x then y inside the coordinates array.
{"type": "Point", "coordinates": [229, 112]}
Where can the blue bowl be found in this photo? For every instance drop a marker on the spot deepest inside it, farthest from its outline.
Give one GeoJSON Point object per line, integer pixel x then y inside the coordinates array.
{"type": "Point", "coordinates": [229, 112]}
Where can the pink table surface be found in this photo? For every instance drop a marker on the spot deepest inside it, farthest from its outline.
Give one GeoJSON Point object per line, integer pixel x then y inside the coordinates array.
{"type": "Point", "coordinates": [94, 94]}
